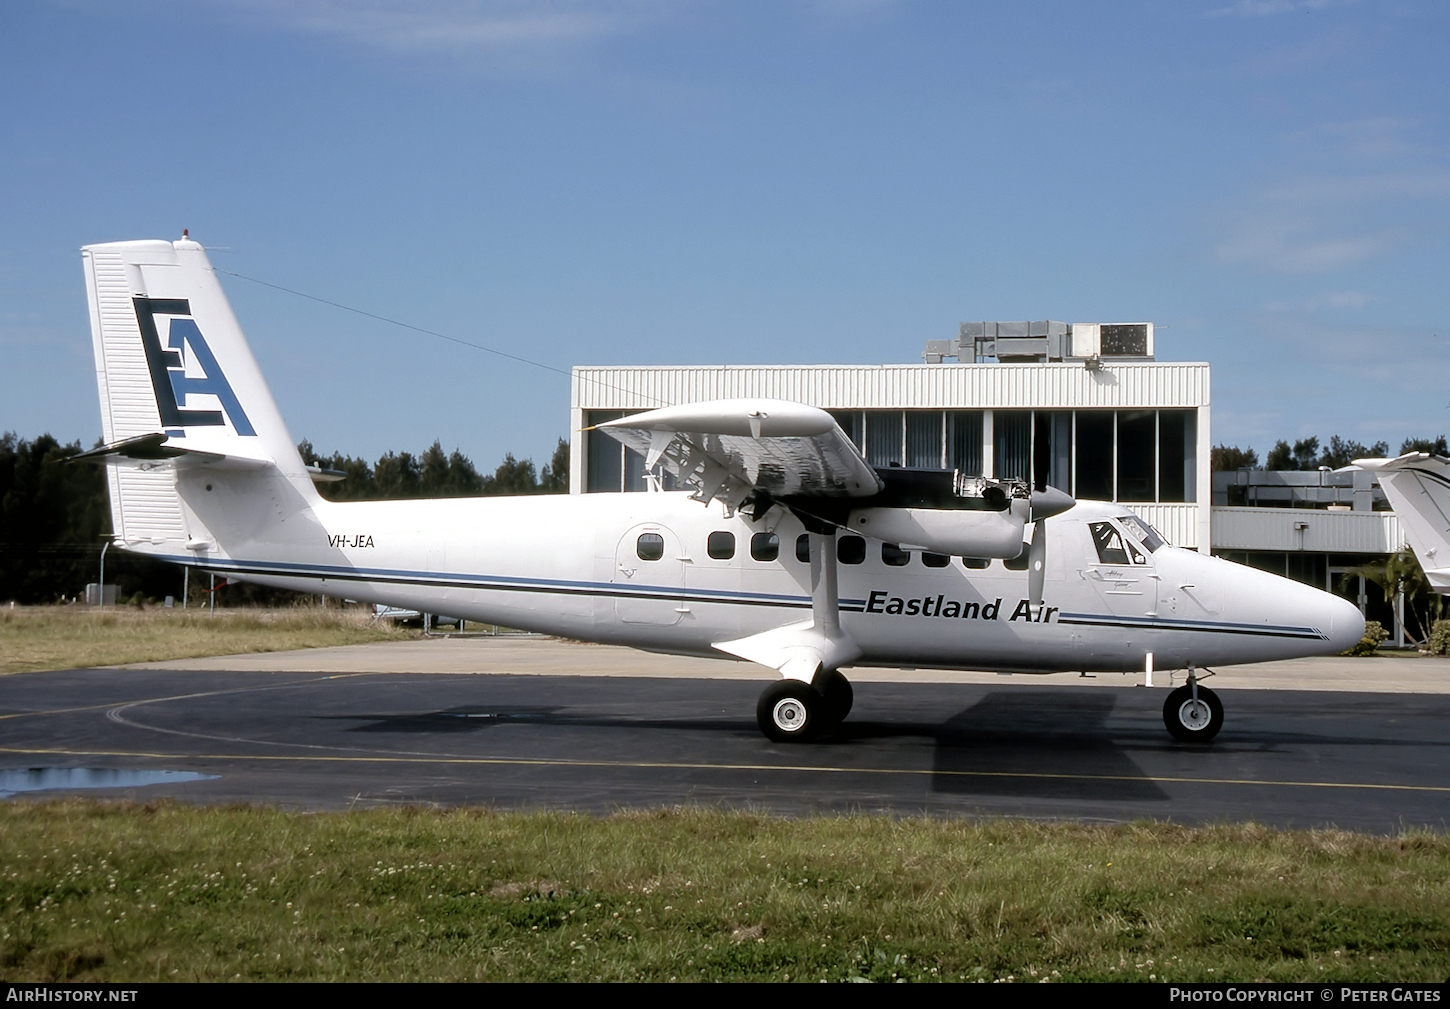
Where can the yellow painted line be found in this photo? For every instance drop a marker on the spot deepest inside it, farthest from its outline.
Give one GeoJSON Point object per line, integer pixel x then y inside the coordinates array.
{"type": "Point", "coordinates": [700, 766]}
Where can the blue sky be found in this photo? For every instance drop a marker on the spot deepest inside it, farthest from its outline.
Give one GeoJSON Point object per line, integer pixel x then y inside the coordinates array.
{"type": "Point", "coordinates": [696, 181]}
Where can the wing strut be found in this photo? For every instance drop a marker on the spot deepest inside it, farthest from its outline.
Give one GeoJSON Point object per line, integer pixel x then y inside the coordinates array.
{"type": "Point", "coordinates": [805, 650]}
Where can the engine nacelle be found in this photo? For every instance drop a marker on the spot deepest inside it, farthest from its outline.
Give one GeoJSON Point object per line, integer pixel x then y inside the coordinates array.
{"type": "Point", "coordinates": [962, 532]}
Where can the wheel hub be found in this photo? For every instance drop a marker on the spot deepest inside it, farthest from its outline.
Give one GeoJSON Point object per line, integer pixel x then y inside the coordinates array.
{"type": "Point", "coordinates": [1195, 715]}
{"type": "Point", "coordinates": [789, 714]}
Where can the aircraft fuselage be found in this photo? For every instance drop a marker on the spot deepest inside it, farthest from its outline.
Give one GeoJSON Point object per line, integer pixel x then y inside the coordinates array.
{"type": "Point", "coordinates": [663, 572]}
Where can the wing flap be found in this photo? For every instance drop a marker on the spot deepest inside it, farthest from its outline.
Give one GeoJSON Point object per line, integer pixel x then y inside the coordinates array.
{"type": "Point", "coordinates": [727, 449]}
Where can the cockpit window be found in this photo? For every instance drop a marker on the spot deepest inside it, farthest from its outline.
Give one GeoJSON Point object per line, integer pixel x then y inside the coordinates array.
{"type": "Point", "coordinates": [1109, 543]}
{"type": "Point", "coordinates": [1145, 533]}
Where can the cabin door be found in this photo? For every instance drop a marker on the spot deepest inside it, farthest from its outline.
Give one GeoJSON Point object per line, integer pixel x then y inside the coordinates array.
{"type": "Point", "coordinates": [649, 576]}
{"type": "Point", "coordinates": [1124, 575]}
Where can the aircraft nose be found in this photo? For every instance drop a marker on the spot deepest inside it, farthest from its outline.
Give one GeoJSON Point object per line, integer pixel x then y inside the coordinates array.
{"type": "Point", "coordinates": [1345, 624]}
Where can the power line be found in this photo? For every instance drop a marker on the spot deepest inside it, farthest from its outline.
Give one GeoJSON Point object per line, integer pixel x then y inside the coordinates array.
{"type": "Point", "coordinates": [430, 332]}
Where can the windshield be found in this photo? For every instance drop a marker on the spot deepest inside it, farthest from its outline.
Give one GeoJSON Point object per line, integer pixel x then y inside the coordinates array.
{"type": "Point", "coordinates": [1142, 531]}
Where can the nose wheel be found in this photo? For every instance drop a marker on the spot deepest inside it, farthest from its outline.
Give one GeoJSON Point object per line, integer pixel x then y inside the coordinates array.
{"type": "Point", "coordinates": [1193, 719]}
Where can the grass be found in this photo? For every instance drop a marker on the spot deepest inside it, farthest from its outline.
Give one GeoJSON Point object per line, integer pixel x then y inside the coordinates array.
{"type": "Point", "coordinates": [116, 892]}
{"type": "Point", "coordinates": [69, 637]}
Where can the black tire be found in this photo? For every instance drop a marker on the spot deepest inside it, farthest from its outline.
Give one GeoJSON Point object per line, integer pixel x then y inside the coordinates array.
{"type": "Point", "coordinates": [1188, 723]}
{"type": "Point", "coordinates": [789, 711]}
{"type": "Point", "coordinates": [837, 697]}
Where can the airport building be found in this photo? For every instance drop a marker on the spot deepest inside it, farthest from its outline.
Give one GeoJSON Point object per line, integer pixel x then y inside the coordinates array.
{"type": "Point", "coordinates": [1083, 407]}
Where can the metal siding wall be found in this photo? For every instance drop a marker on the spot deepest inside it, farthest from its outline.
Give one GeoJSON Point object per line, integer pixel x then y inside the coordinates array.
{"type": "Point", "coordinates": [865, 387]}
{"type": "Point", "coordinates": [1177, 523]}
{"type": "Point", "coordinates": [1328, 532]}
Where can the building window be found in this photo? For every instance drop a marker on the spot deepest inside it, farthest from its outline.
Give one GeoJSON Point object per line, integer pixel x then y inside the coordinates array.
{"type": "Point", "coordinates": [964, 439]}
{"type": "Point", "coordinates": [1013, 450]}
{"type": "Point", "coordinates": [1177, 445]}
{"type": "Point", "coordinates": [924, 438]}
{"type": "Point", "coordinates": [1137, 455]}
{"type": "Point", "coordinates": [1094, 455]}
{"type": "Point", "coordinates": [884, 437]}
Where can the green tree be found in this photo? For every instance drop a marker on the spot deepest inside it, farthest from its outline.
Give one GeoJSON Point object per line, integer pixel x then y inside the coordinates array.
{"type": "Point", "coordinates": [1401, 572]}
{"type": "Point", "coordinates": [1341, 452]}
{"type": "Point", "coordinates": [397, 476]}
{"type": "Point", "coordinates": [1435, 446]}
{"type": "Point", "coordinates": [555, 478]}
{"type": "Point", "coordinates": [513, 477]}
{"type": "Point", "coordinates": [1281, 457]}
{"type": "Point", "coordinates": [1227, 458]}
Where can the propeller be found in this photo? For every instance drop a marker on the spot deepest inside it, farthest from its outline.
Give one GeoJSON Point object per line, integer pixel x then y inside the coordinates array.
{"type": "Point", "coordinates": [1036, 563]}
{"type": "Point", "coordinates": [1045, 503]}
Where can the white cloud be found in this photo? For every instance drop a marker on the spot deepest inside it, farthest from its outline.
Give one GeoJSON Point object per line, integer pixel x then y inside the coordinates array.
{"type": "Point", "coordinates": [1317, 224]}
{"type": "Point", "coordinates": [1288, 246]}
{"type": "Point", "coordinates": [490, 27]}
{"type": "Point", "coordinates": [1373, 138]}
{"type": "Point", "coordinates": [1269, 8]}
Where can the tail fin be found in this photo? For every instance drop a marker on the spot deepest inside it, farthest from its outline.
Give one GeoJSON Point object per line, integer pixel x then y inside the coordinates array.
{"type": "Point", "coordinates": [180, 392]}
{"type": "Point", "coordinates": [1418, 487]}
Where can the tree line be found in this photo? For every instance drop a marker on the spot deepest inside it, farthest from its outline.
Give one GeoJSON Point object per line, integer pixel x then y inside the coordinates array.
{"type": "Point", "coordinates": [1306, 454]}
{"type": "Point", "coordinates": [55, 514]}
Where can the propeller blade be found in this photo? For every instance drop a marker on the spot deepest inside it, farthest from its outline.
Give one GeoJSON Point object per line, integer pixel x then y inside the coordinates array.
{"type": "Point", "coordinates": [1037, 563]}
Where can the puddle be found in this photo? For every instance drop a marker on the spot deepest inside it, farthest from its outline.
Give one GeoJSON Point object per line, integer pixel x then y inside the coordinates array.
{"type": "Point", "coordinates": [37, 779]}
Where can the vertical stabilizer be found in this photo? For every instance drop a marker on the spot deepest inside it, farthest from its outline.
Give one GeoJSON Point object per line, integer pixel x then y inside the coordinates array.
{"type": "Point", "coordinates": [175, 373]}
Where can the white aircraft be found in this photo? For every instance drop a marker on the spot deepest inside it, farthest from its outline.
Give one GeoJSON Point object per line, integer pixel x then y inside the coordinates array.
{"type": "Point", "coordinates": [1418, 487]}
{"type": "Point", "coordinates": [786, 548]}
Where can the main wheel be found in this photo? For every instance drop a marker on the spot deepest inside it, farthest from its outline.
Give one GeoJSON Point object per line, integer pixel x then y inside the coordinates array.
{"type": "Point", "coordinates": [836, 695]}
{"type": "Point", "coordinates": [789, 711]}
{"type": "Point", "coordinates": [1191, 721]}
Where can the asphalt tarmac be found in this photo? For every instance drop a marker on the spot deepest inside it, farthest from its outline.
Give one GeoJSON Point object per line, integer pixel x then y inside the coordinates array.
{"type": "Point", "coordinates": [515, 731]}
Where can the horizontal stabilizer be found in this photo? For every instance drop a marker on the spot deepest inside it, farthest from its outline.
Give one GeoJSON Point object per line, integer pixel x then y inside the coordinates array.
{"type": "Point", "coordinates": [150, 449]}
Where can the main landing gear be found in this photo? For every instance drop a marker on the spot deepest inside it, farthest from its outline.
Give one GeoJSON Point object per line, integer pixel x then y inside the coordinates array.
{"type": "Point", "coordinates": [1192, 713]}
{"type": "Point", "coordinates": [793, 711]}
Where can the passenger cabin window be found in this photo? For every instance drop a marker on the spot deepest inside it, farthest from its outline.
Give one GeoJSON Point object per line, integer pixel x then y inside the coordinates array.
{"type": "Point", "coordinates": [851, 550]}
{"type": "Point", "coordinates": [721, 546]}
{"type": "Point", "coordinates": [976, 563]}
{"type": "Point", "coordinates": [932, 560]}
{"type": "Point", "coordinates": [651, 546]}
{"type": "Point", "coordinates": [764, 547]}
{"type": "Point", "coordinates": [1018, 563]}
{"type": "Point", "coordinates": [894, 556]}
{"type": "Point", "coordinates": [803, 548]}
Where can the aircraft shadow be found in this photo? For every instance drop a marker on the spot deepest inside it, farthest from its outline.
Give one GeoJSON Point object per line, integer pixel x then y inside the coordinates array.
{"type": "Point", "coordinates": [1029, 744]}
{"type": "Point", "coordinates": [1021, 744]}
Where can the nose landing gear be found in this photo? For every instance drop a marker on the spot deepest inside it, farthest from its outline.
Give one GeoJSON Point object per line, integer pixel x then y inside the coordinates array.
{"type": "Point", "coordinates": [1193, 714]}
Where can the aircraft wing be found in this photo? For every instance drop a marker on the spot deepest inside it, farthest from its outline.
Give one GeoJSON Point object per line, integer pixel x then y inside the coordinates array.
{"type": "Point", "coordinates": [729, 449]}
